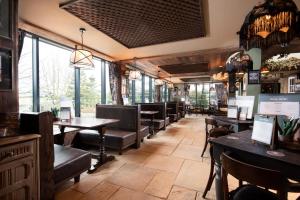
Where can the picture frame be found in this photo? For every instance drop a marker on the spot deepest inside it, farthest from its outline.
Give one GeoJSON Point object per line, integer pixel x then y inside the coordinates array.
{"type": "Point", "coordinates": [65, 113]}
{"type": "Point", "coordinates": [253, 77]}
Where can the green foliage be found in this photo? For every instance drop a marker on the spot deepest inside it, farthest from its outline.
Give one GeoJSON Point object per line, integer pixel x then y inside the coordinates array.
{"type": "Point", "coordinates": [55, 111]}
{"type": "Point", "coordinates": [287, 126]}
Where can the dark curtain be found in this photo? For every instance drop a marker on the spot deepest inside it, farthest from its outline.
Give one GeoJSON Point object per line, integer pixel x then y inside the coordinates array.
{"type": "Point", "coordinates": [22, 34]}
{"type": "Point", "coordinates": [115, 81]}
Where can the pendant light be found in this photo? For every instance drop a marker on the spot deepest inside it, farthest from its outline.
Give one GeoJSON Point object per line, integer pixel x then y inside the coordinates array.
{"type": "Point", "coordinates": [135, 74]}
{"type": "Point", "coordinates": [158, 81]}
{"type": "Point", "coordinates": [81, 58]}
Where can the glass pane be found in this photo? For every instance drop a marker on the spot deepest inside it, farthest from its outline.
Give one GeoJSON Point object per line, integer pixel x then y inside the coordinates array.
{"type": "Point", "coordinates": [25, 77]}
{"type": "Point", "coordinates": [56, 76]}
{"type": "Point", "coordinates": [147, 87]}
{"type": "Point", "coordinates": [138, 91]}
{"type": "Point", "coordinates": [192, 94]}
{"type": "Point", "coordinates": [90, 89]}
{"type": "Point", "coordinates": [108, 93]}
{"type": "Point", "coordinates": [130, 92]}
{"type": "Point", "coordinates": [153, 90]}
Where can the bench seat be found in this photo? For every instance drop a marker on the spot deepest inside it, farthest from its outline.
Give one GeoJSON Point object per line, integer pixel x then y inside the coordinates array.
{"type": "Point", "coordinates": [158, 123]}
{"type": "Point", "coordinates": [114, 138]}
{"type": "Point", "coordinates": [173, 117]}
{"type": "Point", "coordinates": [69, 163]}
{"type": "Point", "coordinates": [144, 131]}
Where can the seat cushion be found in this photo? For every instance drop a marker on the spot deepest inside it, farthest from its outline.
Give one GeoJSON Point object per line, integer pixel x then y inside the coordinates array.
{"type": "Point", "coordinates": [114, 138]}
{"type": "Point", "coordinates": [158, 123]}
{"type": "Point", "coordinates": [167, 121]}
{"type": "Point", "coordinates": [173, 117]}
{"type": "Point", "coordinates": [69, 162]}
{"type": "Point", "coordinates": [144, 131]}
{"type": "Point", "coordinates": [251, 192]}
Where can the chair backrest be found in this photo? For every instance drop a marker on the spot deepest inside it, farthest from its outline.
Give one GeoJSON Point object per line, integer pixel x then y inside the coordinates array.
{"type": "Point", "coordinates": [211, 122]}
{"type": "Point", "coordinates": [252, 174]}
{"type": "Point", "coordinates": [160, 107]}
{"type": "Point", "coordinates": [174, 107]}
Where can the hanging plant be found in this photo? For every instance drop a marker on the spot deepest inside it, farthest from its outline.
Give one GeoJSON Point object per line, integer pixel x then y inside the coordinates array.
{"type": "Point", "coordinates": [289, 64]}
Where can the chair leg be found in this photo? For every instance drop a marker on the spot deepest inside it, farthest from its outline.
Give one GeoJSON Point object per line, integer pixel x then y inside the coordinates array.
{"type": "Point", "coordinates": [211, 175]}
{"type": "Point", "coordinates": [205, 145]}
{"type": "Point", "coordinates": [77, 179]}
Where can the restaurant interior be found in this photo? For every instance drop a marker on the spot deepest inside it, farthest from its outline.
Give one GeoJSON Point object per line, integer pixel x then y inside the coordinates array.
{"type": "Point", "coordinates": [149, 99]}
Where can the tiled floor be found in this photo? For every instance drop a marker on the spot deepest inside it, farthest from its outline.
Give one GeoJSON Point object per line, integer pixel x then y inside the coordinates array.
{"type": "Point", "coordinates": [168, 166]}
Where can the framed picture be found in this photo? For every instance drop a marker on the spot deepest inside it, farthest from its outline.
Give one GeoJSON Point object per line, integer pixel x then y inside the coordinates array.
{"type": "Point", "coordinates": [5, 70]}
{"type": "Point", "coordinates": [254, 77]}
{"type": "Point", "coordinates": [5, 18]}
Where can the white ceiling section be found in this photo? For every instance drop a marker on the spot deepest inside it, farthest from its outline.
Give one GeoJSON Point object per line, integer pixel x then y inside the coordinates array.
{"type": "Point", "coordinates": [223, 17]}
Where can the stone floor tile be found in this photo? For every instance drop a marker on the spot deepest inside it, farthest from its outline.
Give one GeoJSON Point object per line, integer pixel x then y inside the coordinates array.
{"type": "Point", "coordinates": [180, 193]}
{"type": "Point", "coordinates": [167, 163]}
{"type": "Point", "coordinates": [127, 194]}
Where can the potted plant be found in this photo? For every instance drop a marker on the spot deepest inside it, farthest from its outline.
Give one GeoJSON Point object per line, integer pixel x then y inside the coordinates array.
{"type": "Point", "coordinates": [55, 113]}
{"type": "Point", "coordinates": [287, 128]}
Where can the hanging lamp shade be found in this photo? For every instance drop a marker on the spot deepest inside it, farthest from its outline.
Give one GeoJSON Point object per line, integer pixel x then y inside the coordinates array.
{"type": "Point", "coordinates": [135, 75]}
{"type": "Point", "coordinates": [81, 58]}
{"type": "Point", "coordinates": [270, 23]}
{"type": "Point", "coordinates": [158, 82]}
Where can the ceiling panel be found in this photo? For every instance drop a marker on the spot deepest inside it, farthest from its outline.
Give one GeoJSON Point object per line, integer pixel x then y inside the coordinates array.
{"type": "Point", "coordinates": [142, 22]}
{"type": "Point", "coordinates": [185, 68]}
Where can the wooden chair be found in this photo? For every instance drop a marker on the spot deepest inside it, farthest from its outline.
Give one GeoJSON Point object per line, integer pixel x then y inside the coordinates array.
{"type": "Point", "coordinates": [213, 124]}
{"type": "Point", "coordinates": [213, 133]}
{"type": "Point", "coordinates": [255, 175]}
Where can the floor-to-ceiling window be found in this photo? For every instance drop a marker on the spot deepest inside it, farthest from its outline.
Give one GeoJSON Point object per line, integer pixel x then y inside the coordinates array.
{"type": "Point", "coordinates": [130, 91]}
{"type": "Point", "coordinates": [147, 89]}
{"type": "Point", "coordinates": [152, 93]}
{"type": "Point", "coordinates": [56, 78]}
{"type": "Point", "coordinates": [108, 93]}
{"type": "Point", "coordinates": [25, 77]}
{"type": "Point", "coordinates": [192, 94]}
{"type": "Point", "coordinates": [138, 91]}
{"type": "Point", "coordinates": [90, 89]}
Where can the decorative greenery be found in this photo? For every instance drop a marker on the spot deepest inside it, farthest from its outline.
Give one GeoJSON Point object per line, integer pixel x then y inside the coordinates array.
{"type": "Point", "coordinates": [287, 126]}
{"type": "Point", "coordinates": [284, 64]}
{"type": "Point", "coordinates": [55, 111]}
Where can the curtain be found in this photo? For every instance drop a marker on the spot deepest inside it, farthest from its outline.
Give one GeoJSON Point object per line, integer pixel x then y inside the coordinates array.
{"type": "Point", "coordinates": [22, 34]}
{"type": "Point", "coordinates": [115, 81]}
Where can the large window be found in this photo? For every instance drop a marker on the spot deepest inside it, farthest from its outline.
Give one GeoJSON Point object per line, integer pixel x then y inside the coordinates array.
{"type": "Point", "coordinates": [130, 91]}
{"type": "Point", "coordinates": [153, 90]}
{"type": "Point", "coordinates": [90, 89]}
{"type": "Point", "coordinates": [107, 84]}
{"type": "Point", "coordinates": [192, 94]}
{"type": "Point", "coordinates": [55, 76]}
{"type": "Point", "coordinates": [25, 77]}
{"type": "Point", "coordinates": [138, 91]}
{"type": "Point", "coordinates": [147, 89]}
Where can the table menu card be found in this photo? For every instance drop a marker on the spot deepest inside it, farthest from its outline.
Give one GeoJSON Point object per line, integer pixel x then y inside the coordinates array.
{"type": "Point", "coordinates": [263, 128]}
{"type": "Point", "coordinates": [232, 112]}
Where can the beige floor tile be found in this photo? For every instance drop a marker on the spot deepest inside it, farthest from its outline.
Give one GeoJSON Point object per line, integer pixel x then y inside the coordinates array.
{"type": "Point", "coordinates": [161, 184]}
{"type": "Point", "coordinates": [158, 148]}
{"type": "Point", "coordinates": [103, 191]}
{"type": "Point", "coordinates": [132, 176]}
{"type": "Point", "coordinates": [193, 175]}
{"type": "Point", "coordinates": [180, 193]}
{"type": "Point", "coordinates": [88, 183]}
{"type": "Point", "coordinates": [68, 194]}
{"type": "Point", "coordinates": [127, 194]}
{"type": "Point", "coordinates": [167, 163]}
{"type": "Point", "coordinates": [188, 152]}
{"type": "Point", "coordinates": [135, 156]}
{"type": "Point", "coordinates": [211, 195]}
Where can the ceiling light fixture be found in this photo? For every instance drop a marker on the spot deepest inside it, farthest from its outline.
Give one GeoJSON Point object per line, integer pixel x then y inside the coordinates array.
{"type": "Point", "coordinates": [270, 23]}
{"type": "Point", "coordinates": [135, 74]}
{"type": "Point", "coordinates": [264, 70]}
{"type": "Point", "coordinates": [81, 58]}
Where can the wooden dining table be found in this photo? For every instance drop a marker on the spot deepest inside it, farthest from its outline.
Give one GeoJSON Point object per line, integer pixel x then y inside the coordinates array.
{"type": "Point", "coordinates": [150, 114]}
{"type": "Point", "coordinates": [238, 125]}
{"type": "Point", "coordinates": [97, 124]}
{"type": "Point", "coordinates": [285, 161]}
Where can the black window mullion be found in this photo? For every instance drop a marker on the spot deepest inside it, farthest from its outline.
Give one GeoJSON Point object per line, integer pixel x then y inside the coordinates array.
{"type": "Point", "coordinates": [77, 92]}
{"type": "Point", "coordinates": [35, 74]}
{"type": "Point", "coordinates": [133, 92]}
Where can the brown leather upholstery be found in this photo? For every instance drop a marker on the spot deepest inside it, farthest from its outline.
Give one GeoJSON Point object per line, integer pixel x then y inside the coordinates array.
{"type": "Point", "coordinates": [119, 135]}
{"type": "Point", "coordinates": [69, 163]}
{"type": "Point", "coordinates": [182, 109]}
{"type": "Point", "coordinates": [144, 131]}
{"type": "Point", "coordinates": [173, 111]}
{"type": "Point", "coordinates": [160, 119]}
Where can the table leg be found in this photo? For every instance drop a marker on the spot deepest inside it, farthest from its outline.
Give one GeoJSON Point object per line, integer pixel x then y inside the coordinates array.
{"type": "Point", "coordinates": [151, 127]}
{"type": "Point", "coordinates": [217, 151]}
{"type": "Point", "coordinates": [62, 134]}
{"type": "Point", "coordinates": [102, 158]}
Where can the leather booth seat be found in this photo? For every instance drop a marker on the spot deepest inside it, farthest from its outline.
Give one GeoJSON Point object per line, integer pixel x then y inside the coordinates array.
{"type": "Point", "coordinates": [160, 119]}
{"type": "Point", "coordinates": [114, 138]}
{"type": "Point", "coordinates": [173, 111]}
{"type": "Point", "coordinates": [158, 123]}
{"type": "Point", "coordinates": [167, 121]}
{"type": "Point", "coordinates": [69, 163]}
{"type": "Point", "coordinates": [173, 117]}
{"type": "Point", "coordinates": [144, 131]}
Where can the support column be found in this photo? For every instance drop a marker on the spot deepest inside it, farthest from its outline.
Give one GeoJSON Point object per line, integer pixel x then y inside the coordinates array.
{"type": "Point", "coordinates": [254, 90]}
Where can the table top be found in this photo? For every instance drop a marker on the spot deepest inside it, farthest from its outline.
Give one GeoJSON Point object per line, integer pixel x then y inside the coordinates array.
{"type": "Point", "coordinates": [87, 123]}
{"type": "Point", "coordinates": [242, 141]}
{"type": "Point", "coordinates": [56, 130]}
{"type": "Point", "coordinates": [149, 112]}
{"type": "Point", "coordinates": [231, 120]}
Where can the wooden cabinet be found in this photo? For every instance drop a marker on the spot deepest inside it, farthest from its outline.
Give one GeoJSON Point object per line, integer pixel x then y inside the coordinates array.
{"type": "Point", "coordinates": [19, 168]}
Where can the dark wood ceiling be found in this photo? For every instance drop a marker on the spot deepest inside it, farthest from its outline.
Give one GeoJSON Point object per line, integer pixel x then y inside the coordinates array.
{"type": "Point", "coordinates": [184, 65]}
{"type": "Point", "coordinates": [136, 23]}
{"type": "Point", "coordinates": [196, 80]}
